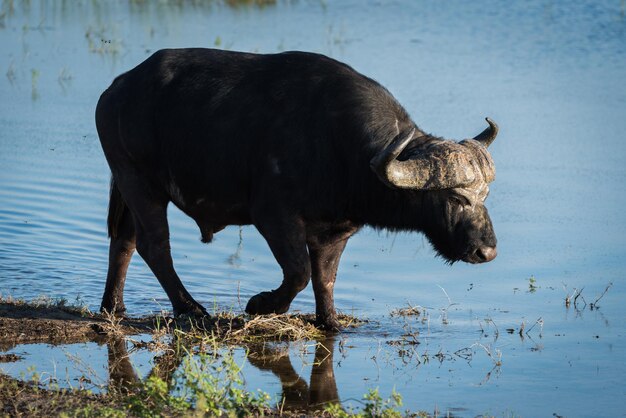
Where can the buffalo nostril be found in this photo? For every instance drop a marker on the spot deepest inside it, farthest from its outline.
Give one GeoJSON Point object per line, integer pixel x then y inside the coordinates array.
{"type": "Point", "coordinates": [486, 254]}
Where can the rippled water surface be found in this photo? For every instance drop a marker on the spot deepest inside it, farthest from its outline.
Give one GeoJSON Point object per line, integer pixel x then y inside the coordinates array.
{"type": "Point", "coordinates": [552, 74]}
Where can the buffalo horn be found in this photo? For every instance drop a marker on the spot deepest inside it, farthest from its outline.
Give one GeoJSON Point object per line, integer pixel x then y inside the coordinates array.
{"type": "Point", "coordinates": [443, 165]}
{"type": "Point", "coordinates": [447, 167]}
{"type": "Point", "coordinates": [382, 164]}
{"type": "Point", "coordinates": [487, 136]}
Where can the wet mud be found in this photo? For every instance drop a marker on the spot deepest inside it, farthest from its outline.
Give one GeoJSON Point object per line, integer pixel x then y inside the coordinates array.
{"type": "Point", "coordinates": [26, 324]}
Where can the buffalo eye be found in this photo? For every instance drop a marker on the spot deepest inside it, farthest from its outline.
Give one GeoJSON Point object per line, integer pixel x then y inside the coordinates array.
{"type": "Point", "coordinates": [460, 200]}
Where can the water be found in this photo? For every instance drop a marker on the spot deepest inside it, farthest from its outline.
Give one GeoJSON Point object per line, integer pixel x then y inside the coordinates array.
{"type": "Point", "coordinates": [551, 74]}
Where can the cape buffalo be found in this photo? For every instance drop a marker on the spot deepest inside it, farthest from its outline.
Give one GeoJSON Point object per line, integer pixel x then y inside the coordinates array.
{"type": "Point", "coordinates": [297, 144]}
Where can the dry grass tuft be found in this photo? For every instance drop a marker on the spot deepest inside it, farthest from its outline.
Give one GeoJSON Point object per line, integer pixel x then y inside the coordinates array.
{"type": "Point", "coordinates": [276, 327]}
{"type": "Point", "coordinates": [408, 311]}
{"type": "Point", "coordinates": [228, 329]}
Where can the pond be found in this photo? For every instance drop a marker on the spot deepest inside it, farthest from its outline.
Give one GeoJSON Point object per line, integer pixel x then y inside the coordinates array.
{"type": "Point", "coordinates": [493, 339]}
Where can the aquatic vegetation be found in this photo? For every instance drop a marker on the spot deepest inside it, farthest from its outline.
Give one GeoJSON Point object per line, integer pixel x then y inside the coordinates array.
{"type": "Point", "coordinates": [577, 293]}
{"type": "Point", "coordinates": [374, 406]}
{"type": "Point", "coordinates": [103, 40]}
{"type": "Point", "coordinates": [11, 73]}
{"type": "Point", "coordinates": [34, 80]}
{"type": "Point", "coordinates": [206, 383]}
{"type": "Point", "coordinates": [410, 310]}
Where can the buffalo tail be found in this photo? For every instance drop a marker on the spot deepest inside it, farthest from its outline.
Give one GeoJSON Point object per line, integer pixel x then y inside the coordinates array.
{"type": "Point", "coordinates": [117, 209]}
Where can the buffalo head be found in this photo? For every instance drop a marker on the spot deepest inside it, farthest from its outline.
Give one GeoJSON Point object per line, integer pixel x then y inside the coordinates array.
{"type": "Point", "coordinates": [453, 179]}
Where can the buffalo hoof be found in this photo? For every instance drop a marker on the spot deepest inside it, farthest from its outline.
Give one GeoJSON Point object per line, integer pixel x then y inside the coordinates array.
{"type": "Point", "coordinates": [118, 311]}
{"type": "Point", "coordinates": [329, 324]}
{"type": "Point", "coordinates": [266, 303]}
{"type": "Point", "coordinates": [191, 311]}
{"type": "Point", "coordinates": [194, 317]}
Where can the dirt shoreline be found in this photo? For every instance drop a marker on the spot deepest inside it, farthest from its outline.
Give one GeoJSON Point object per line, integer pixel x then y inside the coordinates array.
{"type": "Point", "coordinates": [22, 323]}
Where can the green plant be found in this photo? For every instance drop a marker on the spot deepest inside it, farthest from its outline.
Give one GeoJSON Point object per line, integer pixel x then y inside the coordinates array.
{"type": "Point", "coordinates": [206, 383]}
{"type": "Point", "coordinates": [373, 407]}
{"type": "Point", "coordinates": [216, 387]}
{"type": "Point", "coordinates": [152, 398]}
{"type": "Point", "coordinates": [34, 79]}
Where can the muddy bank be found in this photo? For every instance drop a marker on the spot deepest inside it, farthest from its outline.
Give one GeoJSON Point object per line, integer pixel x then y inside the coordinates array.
{"type": "Point", "coordinates": [22, 323]}
{"type": "Point", "coordinates": [57, 323]}
{"type": "Point", "coordinates": [25, 399]}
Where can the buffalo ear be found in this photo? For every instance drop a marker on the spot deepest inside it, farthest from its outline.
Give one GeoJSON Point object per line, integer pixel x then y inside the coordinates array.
{"type": "Point", "coordinates": [487, 136]}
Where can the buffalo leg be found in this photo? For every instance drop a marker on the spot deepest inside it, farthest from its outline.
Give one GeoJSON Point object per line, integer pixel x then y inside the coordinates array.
{"type": "Point", "coordinates": [286, 237]}
{"type": "Point", "coordinates": [121, 250]}
{"type": "Point", "coordinates": [149, 210]}
{"type": "Point", "coordinates": [153, 245]}
{"type": "Point", "coordinates": [325, 248]}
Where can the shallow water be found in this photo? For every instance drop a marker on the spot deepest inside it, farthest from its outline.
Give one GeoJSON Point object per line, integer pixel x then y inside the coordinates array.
{"type": "Point", "coordinates": [551, 74]}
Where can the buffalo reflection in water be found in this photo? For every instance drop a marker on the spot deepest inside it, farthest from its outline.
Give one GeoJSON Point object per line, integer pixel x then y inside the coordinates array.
{"type": "Point", "coordinates": [297, 395]}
